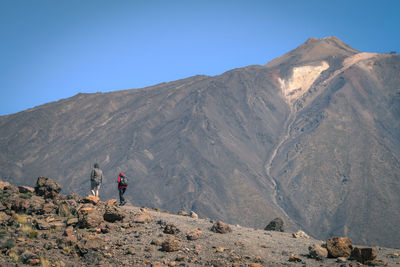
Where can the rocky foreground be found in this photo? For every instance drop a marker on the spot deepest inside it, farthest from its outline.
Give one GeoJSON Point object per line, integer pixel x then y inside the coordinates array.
{"type": "Point", "coordinates": [40, 226]}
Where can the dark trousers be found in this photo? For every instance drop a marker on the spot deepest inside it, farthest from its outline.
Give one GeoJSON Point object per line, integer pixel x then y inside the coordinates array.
{"type": "Point", "coordinates": [121, 195]}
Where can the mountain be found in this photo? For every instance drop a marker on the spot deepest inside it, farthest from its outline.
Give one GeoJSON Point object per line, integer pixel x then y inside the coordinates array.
{"type": "Point", "coordinates": [312, 137]}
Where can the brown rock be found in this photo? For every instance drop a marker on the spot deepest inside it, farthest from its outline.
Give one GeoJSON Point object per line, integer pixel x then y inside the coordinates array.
{"type": "Point", "coordinates": [3, 184]}
{"type": "Point", "coordinates": [48, 208]}
{"type": "Point", "coordinates": [89, 217]}
{"type": "Point", "coordinates": [183, 213]}
{"type": "Point", "coordinates": [36, 204]}
{"type": "Point", "coordinates": [72, 221]}
{"type": "Point", "coordinates": [171, 229]}
{"type": "Point", "coordinates": [26, 189]}
{"type": "Point", "coordinates": [339, 247]}
{"type": "Point", "coordinates": [194, 234]}
{"type": "Point", "coordinates": [111, 202]}
{"type": "Point", "coordinates": [363, 254]}
{"type": "Point", "coordinates": [255, 265]}
{"type": "Point", "coordinates": [94, 243]}
{"type": "Point", "coordinates": [41, 224]}
{"type": "Point", "coordinates": [378, 263]}
{"type": "Point", "coordinates": [300, 234]}
{"type": "Point", "coordinates": [20, 205]}
{"type": "Point", "coordinates": [220, 227]}
{"type": "Point", "coordinates": [180, 257]}
{"type": "Point", "coordinates": [295, 258]}
{"type": "Point", "coordinates": [130, 251]}
{"type": "Point", "coordinates": [171, 244]}
{"type": "Point", "coordinates": [91, 199]}
{"type": "Point", "coordinates": [194, 215]}
{"type": "Point", "coordinates": [47, 187]}
{"type": "Point", "coordinates": [57, 225]}
{"type": "Point", "coordinates": [221, 249]}
{"type": "Point", "coordinates": [4, 216]}
{"type": "Point", "coordinates": [156, 242]}
{"type": "Point", "coordinates": [157, 264]}
{"type": "Point", "coordinates": [142, 217]}
{"type": "Point", "coordinates": [317, 252]}
{"type": "Point", "coordinates": [63, 210]}
{"type": "Point", "coordinates": [69, 237]}
{"type": "Point", "coordinates": [113, 213]}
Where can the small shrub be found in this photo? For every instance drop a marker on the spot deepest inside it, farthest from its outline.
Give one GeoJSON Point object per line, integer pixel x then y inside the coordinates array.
{"type": "Point", "coordinates": [21, 218]}
{"type": "Point", "coordinates": [44, 262]}
{"type": "Point", "coordinates": [33, 234]}
{"type": "Point", "coordinates": [48, 246]}
{"type": "Point", "coordinates": [13, 256]}
{"type": "Point", "coordinates": [67, 250]}
{"type": "Point", "coordinates": [9, 244]}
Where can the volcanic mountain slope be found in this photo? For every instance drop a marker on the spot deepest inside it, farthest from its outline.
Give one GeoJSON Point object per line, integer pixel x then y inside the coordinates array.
{"type": "Point", "coordinates": [313, 137]}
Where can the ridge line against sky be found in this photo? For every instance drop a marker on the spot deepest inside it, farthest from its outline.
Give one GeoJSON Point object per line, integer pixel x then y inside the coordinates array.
{"type": "Point", "coordinates": [51, 50]}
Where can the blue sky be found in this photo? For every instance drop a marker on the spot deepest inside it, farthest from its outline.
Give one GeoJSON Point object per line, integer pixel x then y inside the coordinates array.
{"type": "Point", "coordinates": [54, 49]}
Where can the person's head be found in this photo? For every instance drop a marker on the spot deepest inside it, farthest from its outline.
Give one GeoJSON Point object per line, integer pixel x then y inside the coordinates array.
{"type": "Point", "coordinates": [121, 174]}
{"type": "Point", "coordinates": [96, 165]}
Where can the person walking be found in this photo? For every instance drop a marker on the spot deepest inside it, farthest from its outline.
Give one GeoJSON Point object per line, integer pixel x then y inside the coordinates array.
{"type": "Point", "coordinates": [122, 185]}
{"type": "Point", "coordinates": [96, 179]}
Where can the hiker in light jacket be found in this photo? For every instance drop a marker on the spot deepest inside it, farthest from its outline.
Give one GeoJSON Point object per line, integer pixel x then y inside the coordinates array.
{"type": "Point", "coordinates": [96, 179]}
{"type": "Point", "coordinates": [122, 185]}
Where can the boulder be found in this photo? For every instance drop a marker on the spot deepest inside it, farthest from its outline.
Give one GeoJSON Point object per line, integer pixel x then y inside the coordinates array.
{"type": "Point", "coordinates": [69, 237]}
{"type": "Point", "coordinates": [171, 244]}
{"type": "Point", "coordinates": [275, 225]}
{"type": "Point", "coordinates": [220, 227]}
{"type": "Point", "coordinates": [317, 252]}
{"type": "Point", "coordinates": [3, 184]}
{"type": "Point", "coordinates": [36, 205]}
{"type": "Point", "coordinates": [295, 258]}
{"type": "Point", "coordinates": [363, 255]}
{"type": "Point", "coordinates": [142, 217]}
{"type": "Point", "coordinates": [48, 207]}
{"type": "Point", "coordinates": [183, 213]}
{"type": "Point", "coordinates": [47, 187]}
{"type": "Point", "coordinates": [20, 205]}
{"type": "Point", "coordinates": [41, 224]}
{"type": "Point", "coordinates": [111, 202]}
{"type": "Point", "coordinates": [91, 199]}
{"type": "Point", "coordinates": [4, 216]}
{"type": "Point", "coordinates": [89, 217]}
{"type": "Point", "coordinates": [300, 234]}
{"type": "Point", "coordinates": [194, 215]}
{"type": "Point", "coordinates": [194, 234]}
{"type": "Point", "coordinates": [72, 221]}
{"type": "Point", "coordinates": [339, 247]}
{"type": "Point", "coordinates": [171, 229]}
{"type": "Point", "coordinates": [26, 189]}
{"type": "Point", "coordinates": [63, 210]}
{"type": "Point", "coordinates": [113, 213]}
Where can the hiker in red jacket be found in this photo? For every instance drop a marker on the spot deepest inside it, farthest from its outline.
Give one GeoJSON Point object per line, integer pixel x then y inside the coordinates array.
{"type": "Point", "coordinates": [122, 185]}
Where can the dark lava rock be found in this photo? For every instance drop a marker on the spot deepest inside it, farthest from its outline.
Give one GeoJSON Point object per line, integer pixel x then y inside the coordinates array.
{"type": "Point", "coordinates": [275, 225]}
{"type": "Point", "coordinates": [47, 187]}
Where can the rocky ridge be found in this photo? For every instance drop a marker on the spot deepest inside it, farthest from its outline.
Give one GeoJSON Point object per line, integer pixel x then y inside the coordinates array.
{"type": "Point", "coordinates": [40, 226]}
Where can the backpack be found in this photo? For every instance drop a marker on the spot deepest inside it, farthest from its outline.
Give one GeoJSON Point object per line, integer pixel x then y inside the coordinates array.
{"type": "Point", "coordinates": [124, 180]}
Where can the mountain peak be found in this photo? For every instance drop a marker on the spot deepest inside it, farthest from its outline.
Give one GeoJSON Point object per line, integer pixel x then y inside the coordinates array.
{"type": "Point", "coordinates": [315, 49]}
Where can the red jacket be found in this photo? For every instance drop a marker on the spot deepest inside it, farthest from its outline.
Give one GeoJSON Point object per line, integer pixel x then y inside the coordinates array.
{"type": "Point", "coordinates": [119, 185]}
